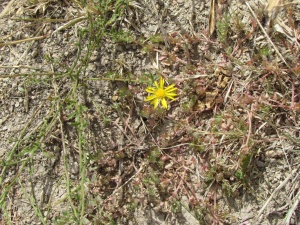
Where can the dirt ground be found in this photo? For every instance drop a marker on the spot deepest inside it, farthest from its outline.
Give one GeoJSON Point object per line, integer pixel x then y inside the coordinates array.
{"type": "Point", "coordinates": [79, 144]}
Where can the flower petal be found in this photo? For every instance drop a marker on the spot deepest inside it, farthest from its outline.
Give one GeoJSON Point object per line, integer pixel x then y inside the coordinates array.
{"type": "Point", "coordinates": [170, 97]}
{"type": "Point", "coordinates": [150, 89]}
{"type": "Point", "coordinates": [161, 82]}
{"type": "Point", "coordinates": [164, 103]}
{"type": "Point", "coordinates": [156, 102]}
{"type": "Point", "coordinates": [171, 87]}
{"type": "Point", "coordinates": [150, 97]}
{"type": "Point", "coordinates": [170, 90]}
{"type": "Point", "coordinates": [171, 94]}
{"type": "Point", "coordinates": [156, 84]}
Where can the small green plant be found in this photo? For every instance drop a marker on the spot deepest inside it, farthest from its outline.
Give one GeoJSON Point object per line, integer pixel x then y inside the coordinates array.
{"type": "Point", "coordinates": [223, 27]}
{"type": "Point", "coordinates": [154, 155]}
{"type": "Point", "coordinates": [176, 206]}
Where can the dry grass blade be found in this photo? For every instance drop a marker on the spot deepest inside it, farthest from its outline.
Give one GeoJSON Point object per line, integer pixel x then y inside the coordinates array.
{"type": "Point", "coordinates": [70, 23]}
{"type": "Point", "coordinates": [292, 209]}
{"type": "Point", "coordinates": [272, 4]}
{"type": "Point", "coordinates": [271, 12]}
{"type": "Point", "coordinates": [159, 19]}
{"type": "Point", "coordinates": [282, 28]}
{"type": "Point", "coordinates": [6, 9]}
{"type": "Point", "coordinates": [212, 17]}
{"type": "Point", "coordinates": [23, 40]}
{"type": "Point", "coordinates": [290, 3]}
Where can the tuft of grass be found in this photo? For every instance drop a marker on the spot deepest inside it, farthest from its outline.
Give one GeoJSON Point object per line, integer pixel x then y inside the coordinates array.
{"type": "Point", "coordinates": [223, 29]}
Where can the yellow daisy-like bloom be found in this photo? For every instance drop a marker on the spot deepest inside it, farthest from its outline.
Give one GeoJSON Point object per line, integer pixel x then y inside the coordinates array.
{"type": "Point", "coordinates": [159, 93]}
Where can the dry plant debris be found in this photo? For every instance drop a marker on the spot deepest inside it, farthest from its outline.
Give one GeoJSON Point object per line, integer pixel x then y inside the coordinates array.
{"type": "Point", "coordinates": [79, 144]}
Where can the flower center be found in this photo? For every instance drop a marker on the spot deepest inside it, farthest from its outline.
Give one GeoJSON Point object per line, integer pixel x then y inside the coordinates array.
{"type": "Point", "coordinates": [160, 93]}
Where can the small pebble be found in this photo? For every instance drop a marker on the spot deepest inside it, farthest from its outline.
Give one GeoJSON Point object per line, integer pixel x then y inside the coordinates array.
{"type": "Point", "coordinates": [259, 164]}
{"type": "Point", "coordinates": [14, 84]}
{"type": "Point", "coordinates": [274, 154]}
{"type": "Point", "coordinates": [34, 53]}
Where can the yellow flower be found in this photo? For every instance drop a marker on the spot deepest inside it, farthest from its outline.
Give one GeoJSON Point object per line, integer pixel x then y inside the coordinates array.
{"type": "Point", "coordinates": [159, 93]}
